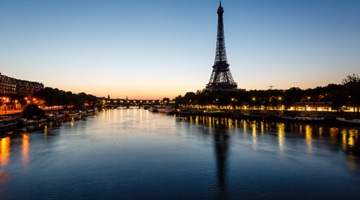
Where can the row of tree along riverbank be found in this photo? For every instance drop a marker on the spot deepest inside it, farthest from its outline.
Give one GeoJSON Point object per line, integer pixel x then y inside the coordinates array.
{"type": "Point", "coordinates": [333, 97]}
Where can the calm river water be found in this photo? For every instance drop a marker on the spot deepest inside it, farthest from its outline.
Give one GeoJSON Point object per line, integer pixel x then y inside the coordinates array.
{"type": "Point", "coordinates": [136, 154]}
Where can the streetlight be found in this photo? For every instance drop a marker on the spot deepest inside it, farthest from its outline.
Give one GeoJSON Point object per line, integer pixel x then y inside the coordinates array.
{"type": "Point", "coordinates": [5, 100]}
{"type": "Point", "coordinates": [253, 99]}
{"type": "Point", "coordinates": [233, 102]}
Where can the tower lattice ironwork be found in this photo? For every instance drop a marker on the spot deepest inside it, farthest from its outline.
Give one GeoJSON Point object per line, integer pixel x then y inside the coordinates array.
{"type": "Point", "coordinates": [221, 78]}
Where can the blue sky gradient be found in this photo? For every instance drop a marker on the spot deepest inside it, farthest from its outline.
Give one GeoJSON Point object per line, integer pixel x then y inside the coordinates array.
{"type": "Point", "coordinates": [164, 48]}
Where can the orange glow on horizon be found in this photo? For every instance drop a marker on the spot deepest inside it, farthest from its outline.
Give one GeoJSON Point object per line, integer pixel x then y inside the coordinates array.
{"type": "Point", "coordinates": [120, 93]}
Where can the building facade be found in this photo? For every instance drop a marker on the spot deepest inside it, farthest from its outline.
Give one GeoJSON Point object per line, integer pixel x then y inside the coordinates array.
{"type": "Point", "coordinates": [9, 86]}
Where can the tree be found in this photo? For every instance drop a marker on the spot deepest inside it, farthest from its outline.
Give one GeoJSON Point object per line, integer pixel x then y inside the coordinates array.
{"type": "Point", "coordinates": [32, 110]}
{"type": "Point", "coordinates": [59, 97]}
{"type": "Point", "coordinates": [351, 79]}
{"type": "Point", "coordinates": [166, 100]}
{"type": "Point", "coordinates": [178, 100]}
{"type": "Point", "coordinates": [189, 98]}
{"type": "Point", "coordinates": [352, 88]}
{"type": "Point", "coordinates": [291, 96]}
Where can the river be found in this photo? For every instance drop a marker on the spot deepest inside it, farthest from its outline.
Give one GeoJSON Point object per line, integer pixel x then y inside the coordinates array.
{"type": "Point", "coordinates": [136, 154]}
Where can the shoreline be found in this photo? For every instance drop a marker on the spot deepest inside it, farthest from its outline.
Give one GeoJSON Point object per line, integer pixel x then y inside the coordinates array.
{"type": "Point", "coordinates": [16, 123]}
{"type": "Point", "coordinates": [331, 120]}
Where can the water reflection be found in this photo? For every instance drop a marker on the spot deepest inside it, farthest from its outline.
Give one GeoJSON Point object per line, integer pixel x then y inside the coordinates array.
{"type": "Point", "coordinates": [281, 135]}
{"type": "Point", "coordinates": [254, 133]}
{"type": "Point", "coordinates": [5, 148]}
{"type": "Point", "coordinates": [333, 133]}
{"type": "Point", "coordinates": [4, 177]}
{"type": "Point", "coordinates": [45, 131]}
{"type": "Point", "coordinates": [308, 138]}
{"type": "Point", "coordinates": [25, 148]}
{"type": "Point", "coordinates": [316, 140]}
{"type": "Point", "coordinates": [350, 144]}
{"type": "Point", "coordinates": [349, 140]}
{"type": "Point", "coordinates": [4, 151]}
{"type": "Point", "coordinates": [221, 146]}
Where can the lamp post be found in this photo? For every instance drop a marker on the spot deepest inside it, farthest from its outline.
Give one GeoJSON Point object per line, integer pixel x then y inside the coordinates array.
{"type": "Point", "coordinates": [5, 100]}
{"type": "Point", "coordinates": [233, 102]}
{"type": "Point", "coordinates": [254, 101]}
{"type": "Point", "coordinates": [281, 106]}
{"type": "Point", "coordinates": [2, 102]}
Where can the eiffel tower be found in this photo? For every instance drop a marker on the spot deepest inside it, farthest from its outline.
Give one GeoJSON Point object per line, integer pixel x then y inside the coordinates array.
{"type": "Point", "coordinates": [221, 78]}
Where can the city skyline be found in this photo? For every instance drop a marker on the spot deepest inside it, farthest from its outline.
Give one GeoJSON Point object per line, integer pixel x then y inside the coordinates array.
{"type": "Point", "coordinates": [153, 49]}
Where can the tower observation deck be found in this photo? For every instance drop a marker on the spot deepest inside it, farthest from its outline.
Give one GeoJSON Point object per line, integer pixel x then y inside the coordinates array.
{"type": "Point", "coordinates": [221, 78]}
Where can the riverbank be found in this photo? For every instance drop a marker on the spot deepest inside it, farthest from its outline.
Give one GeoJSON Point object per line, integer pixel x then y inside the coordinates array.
{"type": "Point", "coordinates": [15, 122]}
{"type": "Point", "coordinates": [325, 118]}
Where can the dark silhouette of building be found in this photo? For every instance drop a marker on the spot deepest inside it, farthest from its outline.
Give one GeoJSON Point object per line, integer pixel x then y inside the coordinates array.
{"type": "Point", "coordinates": [221, 78]}
{"type": "Point", "coordinates": [9, 85]}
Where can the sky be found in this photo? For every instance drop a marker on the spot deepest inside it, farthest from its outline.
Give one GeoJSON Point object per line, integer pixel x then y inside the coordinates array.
{"type": "Point", "coordinates": [150, 49]}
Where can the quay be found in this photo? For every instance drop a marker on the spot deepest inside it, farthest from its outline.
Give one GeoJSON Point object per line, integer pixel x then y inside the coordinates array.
{"type": "Point", "coordinates": [324, 118]}
{"type": "Point", "coordinates": [15, 122]}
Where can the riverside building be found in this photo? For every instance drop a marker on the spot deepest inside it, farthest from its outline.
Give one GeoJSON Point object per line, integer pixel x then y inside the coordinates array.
{"type": "Point", "coordinates": [10, 86]}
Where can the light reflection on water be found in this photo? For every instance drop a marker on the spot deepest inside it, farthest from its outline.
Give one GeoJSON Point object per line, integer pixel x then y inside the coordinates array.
{"type": "Point", "coordinates": [4, 151]}
{"type": "Point", "coordinates": [25, 148]}
{"type": "Point", "coordinates": [135, 154]}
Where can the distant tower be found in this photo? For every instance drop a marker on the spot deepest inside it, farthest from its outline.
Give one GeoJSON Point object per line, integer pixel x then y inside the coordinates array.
{"type": "Point", "coordinates": [221, 78]}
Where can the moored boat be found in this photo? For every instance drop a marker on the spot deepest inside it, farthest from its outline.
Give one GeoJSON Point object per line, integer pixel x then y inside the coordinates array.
{"type": "Point", "coordinates": [309, 118]}
{"type": "Point", "coordinates": [165, 109]}
{"type": "Point", "coordinates": [348, 121]}
{"type": "Point", "coordinates": [152, 109]}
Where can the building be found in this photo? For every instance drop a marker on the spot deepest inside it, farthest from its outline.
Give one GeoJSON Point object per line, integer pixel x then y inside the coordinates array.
{"type": "Point", "coordinates": [13, 86]}
{"type": "Point", "coordinates": [7, 85]}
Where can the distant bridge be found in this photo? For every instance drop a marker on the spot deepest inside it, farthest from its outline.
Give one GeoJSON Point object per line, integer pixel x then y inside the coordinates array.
{"type": "Point", "coordinates": [114, 103]}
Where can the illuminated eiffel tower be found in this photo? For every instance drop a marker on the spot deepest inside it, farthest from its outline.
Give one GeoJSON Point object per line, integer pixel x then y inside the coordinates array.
{"type": "Point", "coordinates": [221, 78]}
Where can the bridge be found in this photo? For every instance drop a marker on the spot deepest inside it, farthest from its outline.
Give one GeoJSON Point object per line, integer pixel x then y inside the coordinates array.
{"type": "Point", "coordinates": [114, 103]}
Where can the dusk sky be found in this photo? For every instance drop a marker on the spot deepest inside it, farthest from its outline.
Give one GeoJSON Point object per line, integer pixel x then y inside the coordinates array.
{"type": "Point", "coordinates": [150, 49]}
